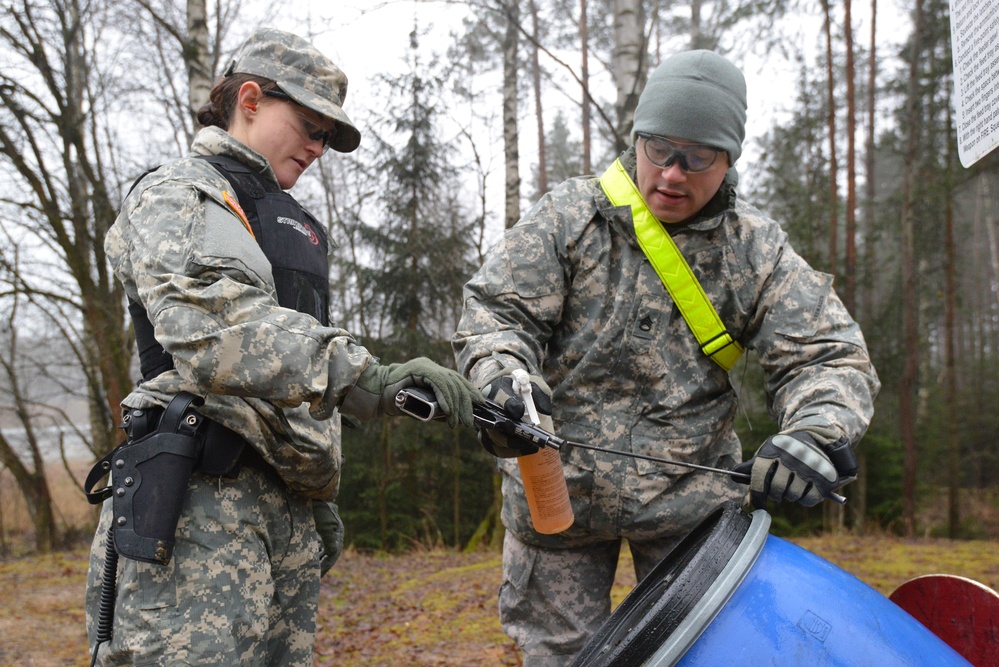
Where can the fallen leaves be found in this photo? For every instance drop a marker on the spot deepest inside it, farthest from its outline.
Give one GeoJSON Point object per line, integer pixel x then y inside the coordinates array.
{"type": "Point", "coordinates": [423, 608]}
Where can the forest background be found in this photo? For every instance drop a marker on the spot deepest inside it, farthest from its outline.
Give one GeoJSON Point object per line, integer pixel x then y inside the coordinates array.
{"type": "Point", "coordinates": [462, 132]}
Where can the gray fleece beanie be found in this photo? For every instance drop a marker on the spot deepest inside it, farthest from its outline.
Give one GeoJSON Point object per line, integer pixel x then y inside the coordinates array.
{"type": "Point", "coordinates": [698, 96]}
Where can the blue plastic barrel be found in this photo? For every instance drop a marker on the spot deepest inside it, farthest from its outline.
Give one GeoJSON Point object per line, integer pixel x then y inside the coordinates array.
{"type": "Point", "coordinates": [732, 594]}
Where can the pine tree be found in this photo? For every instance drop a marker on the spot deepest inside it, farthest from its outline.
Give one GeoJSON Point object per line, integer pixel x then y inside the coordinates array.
{"type": "Point", "coordinates": [418, 239]}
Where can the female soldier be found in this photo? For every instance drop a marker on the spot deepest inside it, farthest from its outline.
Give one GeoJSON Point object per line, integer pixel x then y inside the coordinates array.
{"type": "Point", "coordinates": [227, 280]}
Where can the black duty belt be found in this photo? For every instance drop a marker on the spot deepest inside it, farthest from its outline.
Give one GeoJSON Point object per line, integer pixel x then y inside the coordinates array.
{"type": "Point", "coordinates": [224, 452]}
{"type": "Point", "coordinates": [149, 472]}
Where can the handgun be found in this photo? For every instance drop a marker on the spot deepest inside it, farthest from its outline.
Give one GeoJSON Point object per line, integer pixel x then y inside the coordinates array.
{"type": "Point", "coordinates": [420, 403]}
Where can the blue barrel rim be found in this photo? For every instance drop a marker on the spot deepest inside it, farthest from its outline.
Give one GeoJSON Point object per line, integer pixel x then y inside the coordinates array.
{"type": "Point", "coordinates": [717, 595]}
{"type": "Point", "coordinates": [663, 600]}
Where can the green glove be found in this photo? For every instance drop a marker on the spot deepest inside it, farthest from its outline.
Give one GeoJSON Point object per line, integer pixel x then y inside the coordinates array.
{"type": "Point", "coordinates": [330, 529]}
{"type": "Point", "coordinates": [374, 392]}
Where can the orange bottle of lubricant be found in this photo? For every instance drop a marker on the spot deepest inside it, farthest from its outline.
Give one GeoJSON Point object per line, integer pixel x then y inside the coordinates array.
{"type": "Point", "coordinates": [547, 494]}
{"type": "Point", "coordinates": [544, 479]}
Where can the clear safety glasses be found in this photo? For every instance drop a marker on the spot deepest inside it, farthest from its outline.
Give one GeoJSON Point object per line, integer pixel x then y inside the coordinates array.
{"type": "Point", "coordinates": [309, 128]}
{"type": "Point", "coordinates": [663, 153]}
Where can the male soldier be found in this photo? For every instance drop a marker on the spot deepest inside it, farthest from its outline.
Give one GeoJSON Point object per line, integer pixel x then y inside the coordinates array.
{"type": "Point", "coordinates": [580, 293]}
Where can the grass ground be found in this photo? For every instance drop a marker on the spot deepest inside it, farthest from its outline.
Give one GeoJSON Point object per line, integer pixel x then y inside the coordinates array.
{"type": "Point", "coordinates": [425, 608]}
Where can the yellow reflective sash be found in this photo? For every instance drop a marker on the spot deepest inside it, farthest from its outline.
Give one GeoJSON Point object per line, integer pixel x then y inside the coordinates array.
{"type": "Point", "coordinates": [673, 270]}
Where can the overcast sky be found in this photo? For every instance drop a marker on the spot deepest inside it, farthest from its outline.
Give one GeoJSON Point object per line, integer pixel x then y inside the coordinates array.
{"type": "Point", "coordinates": [370, 37]}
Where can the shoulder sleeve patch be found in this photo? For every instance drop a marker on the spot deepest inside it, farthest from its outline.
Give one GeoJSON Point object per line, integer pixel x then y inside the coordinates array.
{"type": "Point", "coordinates": [238, 210]}
{"type": "Point", "coordinates": [222, 247]}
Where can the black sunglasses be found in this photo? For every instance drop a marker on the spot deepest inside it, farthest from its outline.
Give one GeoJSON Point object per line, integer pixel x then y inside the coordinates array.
{"type": "Point", "coordinates": [312, 131]}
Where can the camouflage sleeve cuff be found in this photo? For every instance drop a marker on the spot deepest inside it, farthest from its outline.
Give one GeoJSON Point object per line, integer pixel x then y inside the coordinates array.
{"type": "Point", "coordinates": [347, 364]}
{"type": "Point", "coordinates": [823, 433]}
{"type": "Point", "coordinates": [363, 400]}
{"type": "Point", "coordinates": [494, 366]}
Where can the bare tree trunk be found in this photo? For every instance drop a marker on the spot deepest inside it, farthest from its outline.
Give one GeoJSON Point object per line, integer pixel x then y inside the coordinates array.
{"type": "Point", "coordinates": [695, 24]}
{"type": "Point", "coordinates": [831, 123]}
{"type": "Point", "coordinates": [981, 299]}
{"type": "Point", "coordinates": [197, 57]}
{"type": "Point", "coordinates": [584, 38]}
{"type": "Point", "coordinates": [989, 339]}
{"type": "Point", "coordinates": [383, 480]}
{"type": "Point", "coordinates": [33, 486]}
{"type": "Point", "coordinates": [859, 500]}
{"type": "Point", "coordinates": [910, 297]}
{"type": "Point", "coordinates": [850, 252]}
{"type": "Point", "coordinates": [989, 291]}
{"type": "Point", "coordinates": [511, 149]}
{"type": "Point", "coordinates": [456, 492]}
{"type": "Point", "coordinates": [630, 66]}
{"type": "Point", "coordinates": [950, 361]}
{"type": "Point", "coordinates": [490, 530]}
{"type": "Point", "coordinates": [831, 516]}
{"type": "Point", "coordinates": [196, 53]}
{"type": "Point", "coordinates": [990, 231]}
{"type": "Point", "coordinates": [538, 112]}
{"type": "Point", "coordinates": [30, 482]}
{"type": "Point", "coordinates": [870, 189]}
{"type": "Point", "coordinates": [106, 343]}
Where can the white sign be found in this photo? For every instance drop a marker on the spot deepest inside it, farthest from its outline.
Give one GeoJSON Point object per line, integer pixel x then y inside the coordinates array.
{"type": "Point", "coordinates": [974, 38]}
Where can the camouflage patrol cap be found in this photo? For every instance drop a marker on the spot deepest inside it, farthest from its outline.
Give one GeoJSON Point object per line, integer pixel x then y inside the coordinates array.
{"type": "Point", "coordinates": [305, 74]}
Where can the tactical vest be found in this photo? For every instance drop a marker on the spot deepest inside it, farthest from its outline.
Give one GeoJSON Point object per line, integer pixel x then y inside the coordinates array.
{"type": "Point", "coordinates": [293, 241]}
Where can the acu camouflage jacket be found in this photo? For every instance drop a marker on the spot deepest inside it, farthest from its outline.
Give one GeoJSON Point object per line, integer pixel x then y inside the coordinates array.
{"type": "Point", "coordinates": [271, 374]}
{"type": "Point", "coordinates": [569, 294]}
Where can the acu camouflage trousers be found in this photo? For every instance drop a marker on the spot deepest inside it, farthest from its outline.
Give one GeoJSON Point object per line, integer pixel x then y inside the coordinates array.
{"type": "Point", "coordinates": [242, 587]}
{"type": "Point", "coordinates": [552, 600]}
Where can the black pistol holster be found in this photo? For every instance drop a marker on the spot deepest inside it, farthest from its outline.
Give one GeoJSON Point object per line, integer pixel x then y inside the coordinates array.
{"type": "Point", "coordinates": [149, 476]}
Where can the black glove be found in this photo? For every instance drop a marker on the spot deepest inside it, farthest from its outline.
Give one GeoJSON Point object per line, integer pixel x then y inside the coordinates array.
{"type": "Point", "coordinates": [794, 467]}
{"type": "Point", "coordinates": [500, 391]}
{"type": "Point", "coordinates": [330, 529]}
{"type": "Point", "coordinates": [374, 392]}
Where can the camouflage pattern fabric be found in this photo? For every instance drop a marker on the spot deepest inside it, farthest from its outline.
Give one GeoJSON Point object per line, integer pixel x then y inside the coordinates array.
{"type": "Point", "coordinates": [243, 584]}
{"type": "Point", "coordinates": [304, 73]}
{"type": "Point", "coordinates": [569, 295]}
{"type": "Point", "coordinates": [575, 581]}
{"type": "Point", "coordinates": [273, 375]}
{"type": "Point", "coordinates": [241, 589]}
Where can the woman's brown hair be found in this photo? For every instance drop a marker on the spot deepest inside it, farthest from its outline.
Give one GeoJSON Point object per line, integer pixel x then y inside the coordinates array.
{"type": "Point", "coordinates": [218, 110]}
